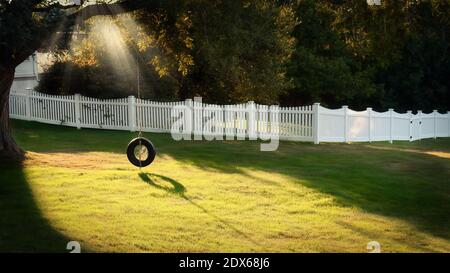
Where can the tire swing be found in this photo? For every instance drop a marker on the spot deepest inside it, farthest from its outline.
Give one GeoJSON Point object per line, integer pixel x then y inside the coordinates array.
{"type": "Point", "coordinates": [140, 151]}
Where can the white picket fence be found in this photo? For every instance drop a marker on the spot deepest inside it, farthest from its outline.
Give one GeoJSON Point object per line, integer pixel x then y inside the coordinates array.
{"type": "Point", "coordinates": [307, 123]}
{"type": "Point", "coordinates": [345, 125]}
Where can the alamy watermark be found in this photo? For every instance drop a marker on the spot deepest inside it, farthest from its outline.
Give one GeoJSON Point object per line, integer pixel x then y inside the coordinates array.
{"type": "Point", "coordinates": [197, 121]}
{"type": "Point", "coordinates": [374, 247]}
{"type": "Point", "coordinates": [74, 247]}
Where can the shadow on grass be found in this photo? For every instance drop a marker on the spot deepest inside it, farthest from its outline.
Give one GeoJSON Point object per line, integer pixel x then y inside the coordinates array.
{"type": "Point", "coordinates": [175, 187]}
{"type": "Point", "coordinates": [393, 182]}
{"type": "Point", "coordinates": [22, 227]}
{"type": "Point", "coordinates": [178, 189]}
{"type": "Point", "coordinates": [413, 187]}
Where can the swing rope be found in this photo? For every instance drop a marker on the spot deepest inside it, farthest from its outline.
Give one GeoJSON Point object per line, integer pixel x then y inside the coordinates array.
{"type": "Point", "coordinates": [140, 145]}
{"type": "Point", "coordinates": [138, 115]}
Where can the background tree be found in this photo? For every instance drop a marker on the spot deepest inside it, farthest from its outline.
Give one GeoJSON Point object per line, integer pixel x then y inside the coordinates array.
{"type": "Point", "coordinates": [240, 50]}
{"type": "Point", "coordinates": [335, 52]}
{"type": "Point", "coordinates": [406, 46]}
{"type": "Point", "coordinates": [392, 55]}
{"type": "Point", "coordinates": [224, 51]}
{"type": "Point", "coordinates": [322, 67]}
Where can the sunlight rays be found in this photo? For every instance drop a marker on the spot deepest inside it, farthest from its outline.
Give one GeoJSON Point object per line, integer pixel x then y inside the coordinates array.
{"type": "Point", "coordinates": [109, 40]}
{"type": "Point", "coordinates": [116, 49]}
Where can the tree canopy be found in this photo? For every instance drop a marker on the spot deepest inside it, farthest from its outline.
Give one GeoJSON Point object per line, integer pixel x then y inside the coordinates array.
{"type": "Point", "coordinates": [292, 52]}
{"type": "Point", "coordinates": [224, 51]}
{"type": "Point", "coordinates": [288, 52]}
{"type": "Point", "coordinates": [30, 25]}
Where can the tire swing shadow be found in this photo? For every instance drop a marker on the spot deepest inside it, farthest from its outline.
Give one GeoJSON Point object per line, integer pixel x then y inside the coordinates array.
{"type": "Point", "coordinates": [177, 188]}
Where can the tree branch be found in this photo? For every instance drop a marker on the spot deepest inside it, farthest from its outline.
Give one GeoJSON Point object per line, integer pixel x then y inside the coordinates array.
{"type": "Point", "coordinates": [112, 9]}
{"type": "Point", "coordinates": [54, 6]}
{"type": "Point", "coordinates": [84, 13]}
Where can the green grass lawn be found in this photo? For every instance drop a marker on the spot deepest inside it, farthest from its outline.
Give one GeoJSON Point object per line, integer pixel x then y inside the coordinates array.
{"type": "Point", "coordinates": [201, 196]}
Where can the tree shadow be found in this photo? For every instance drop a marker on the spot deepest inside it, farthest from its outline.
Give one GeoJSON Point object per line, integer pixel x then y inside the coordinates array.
{"type": "Point", "coordinates": [413, 187]}
{"type": "Point", "coordinates": [22, 226]}
{"type": "Point", "coordinates": [178, 189]}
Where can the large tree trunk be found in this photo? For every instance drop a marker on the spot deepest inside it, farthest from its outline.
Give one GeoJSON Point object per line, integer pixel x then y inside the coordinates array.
{"type": "Point", "coordinates": [8, 146]}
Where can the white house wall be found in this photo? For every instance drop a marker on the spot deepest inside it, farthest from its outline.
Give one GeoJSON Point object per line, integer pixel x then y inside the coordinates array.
{"type": "Point", "coordinates": [26, 75]}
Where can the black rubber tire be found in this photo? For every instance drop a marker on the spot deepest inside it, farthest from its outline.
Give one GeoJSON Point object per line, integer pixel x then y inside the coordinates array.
{"type": "Point", "coordinates": [150, 148]}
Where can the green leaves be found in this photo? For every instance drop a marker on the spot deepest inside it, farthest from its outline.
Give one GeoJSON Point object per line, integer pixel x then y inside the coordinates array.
{"type": "Point", "coordinates": [393, 55]}
{"type": "Point", "coordinates": [293, 52]}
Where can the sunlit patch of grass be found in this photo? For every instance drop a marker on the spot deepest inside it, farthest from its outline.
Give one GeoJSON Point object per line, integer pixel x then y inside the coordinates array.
{"type": "Point", "coordinates": [229, 197]}
{"type": "Point", "coordinates": [442, 154]}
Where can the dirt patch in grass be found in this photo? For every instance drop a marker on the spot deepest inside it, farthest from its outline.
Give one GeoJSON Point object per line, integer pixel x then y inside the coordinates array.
{"type": "Point", "coordinates": [85, 160]}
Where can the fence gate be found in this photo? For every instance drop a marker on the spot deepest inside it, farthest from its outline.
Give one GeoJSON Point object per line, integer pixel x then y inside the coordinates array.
{"type": "Point", "coordinates": [415, 124]}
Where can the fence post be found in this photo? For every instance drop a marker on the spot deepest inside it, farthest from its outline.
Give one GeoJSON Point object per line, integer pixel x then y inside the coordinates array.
{"type": "Point", "coordinates": [77, 111]}
{"type": "Point", "coordinates": [448, 117]}
{"type": "Point", "coordinates": [251, 120]}
{"type": "Point", "coordinates": [345, 107]}
{"type": "Point", "coordinates": [132, 113]}
{"type": "Point", "coordinates": [391, 125]}
{"type": "Point", "coordinates": [369, 113]}
{"type": "Point", "coordinates": [419, 113]}
{"type": "Point", "coordinates": [198, 118]}
{"type": "Point", "coordinates": [435, 123]}
{"type": "Point", "coordinates": [28, 104]}
{"type": "Point", "coordinates": [316, 119]}
{"type": "Point", "coordinates": [189, 118]}
{"type": "Point", "coordinates": [410, 124]}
